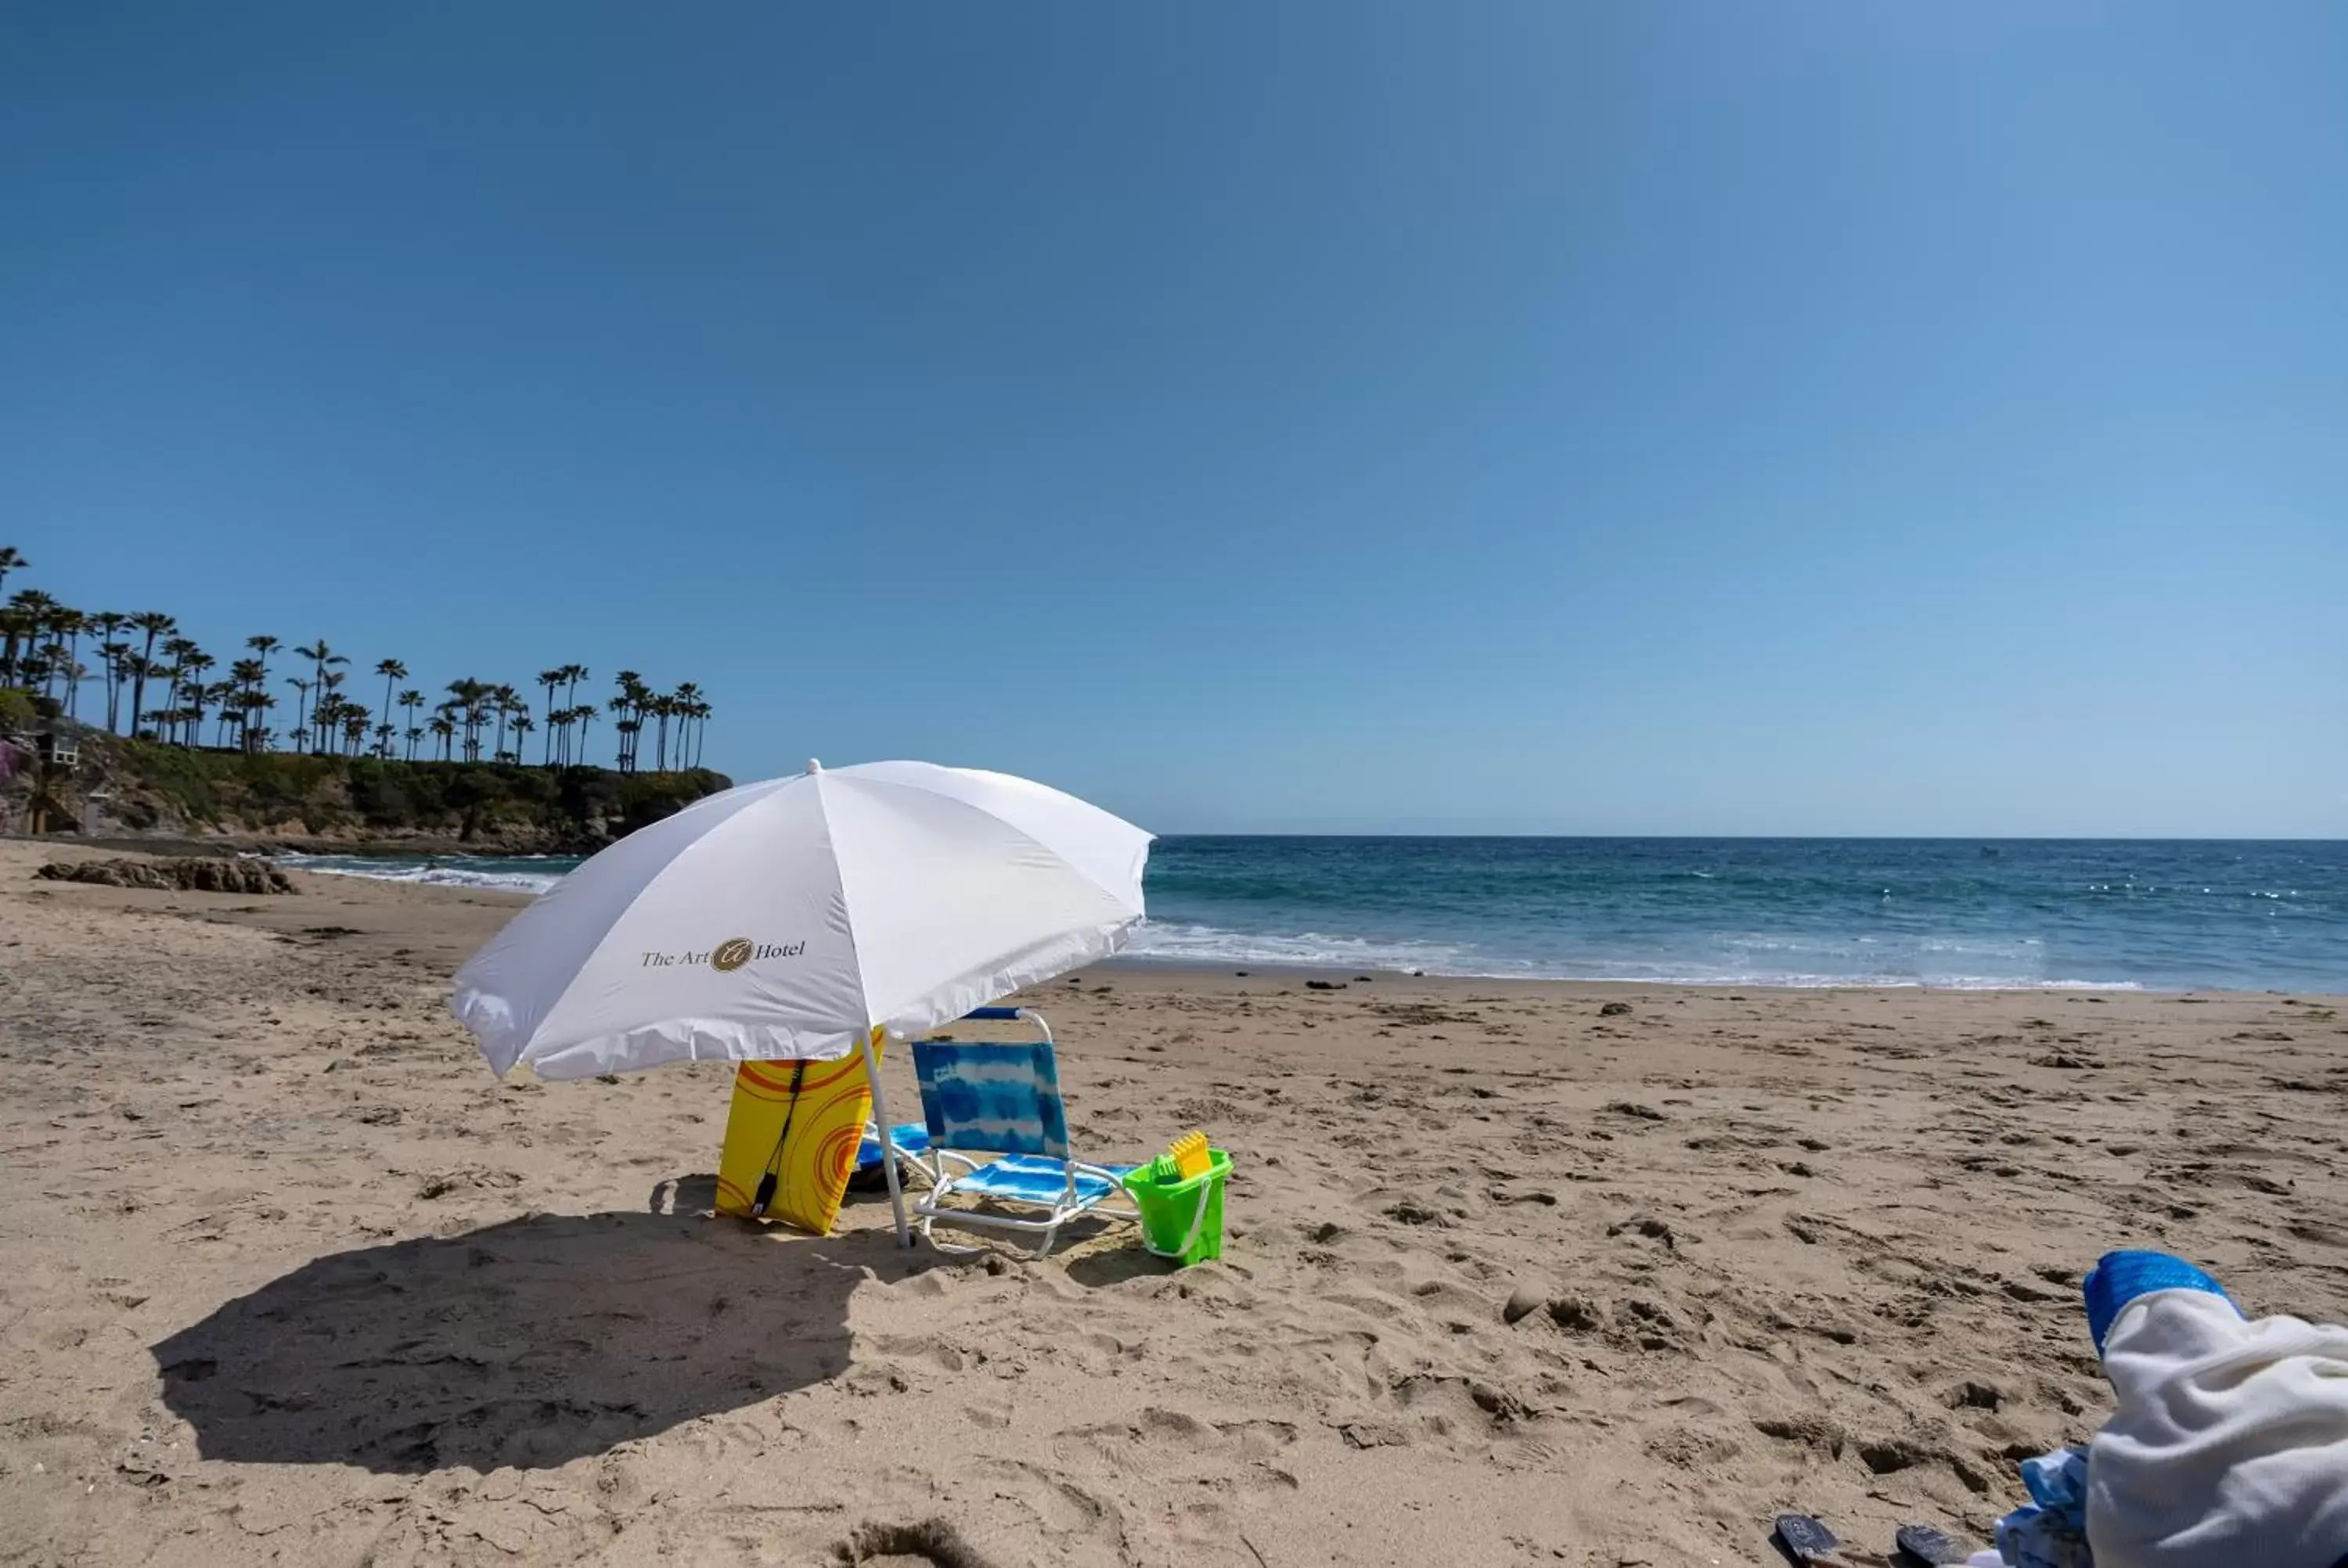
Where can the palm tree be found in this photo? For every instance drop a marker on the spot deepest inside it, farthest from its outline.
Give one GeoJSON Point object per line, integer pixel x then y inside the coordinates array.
{"type": "Point", "coordinates": [584, 714]}
{"type": "Point", "coordinates": [118, 664]}
{"type": "Point", "coordinates": [687, 699]}
{"type": "Point", "coordinates": [472, 701]}
{"type": "Point", "coordinates": [108, 624]}
{"type": "Point", "coordinates": [245, 679]}
{"type": "Point", "coordinates": [300, 709]}
{"type": "Point", "coordinates": [550, 679]}
{"type": "Point", "coordinates": [320, 657]}
{"type": "Point", "coordinates": [253, 702]}
{"type": "Point", "coordinates": [623, 729]}
{"type": "Point", "coordinates": [10, 562]}
{"type": "Point", "coordinates": [224, 692]}
{"type": "Point", "coordinates": [71, 624]}
{"type": "Point", "coordinates": [522, 726]}
{"type": "Point", "coordinates": [173, 674]}
{"type": "Point", "coordinates": [154, 623]}
{"type": "Point", "coordinates": [129, 668]}
{"type": "Point", "coordinates": [262, 647]}
{"type": "Point", "coordinates": [16, 627]}
{"type": "Point", "coordinates": [391, 670]}
{"type": "Point", "coordinates": [412, 700]}
{"type": "Point", "coordinates": [663, 708]}
{"type": "Point", "coordinates": [194, 662]}
{"type": "Point", "coordinates": [75, 673]}
{"type": "Point", "coordinates": [466, 698]}
{"type": "Point", "coordinates": [330, 692]}
{"type": "Point", "coordinates": [176, 649]}
{"type": "Point", "coordinates": [572, 675]}
{"type": "Point", "coordinates": [504, 702]}
{"type": "Point", "coordinates": [33, 608]}
{"type": "Point", "coordinates": [71, 671]}
{"type": "Point", "coordinates": [630, 705]}
{"type": "Point", "coordinates": [326, 715]}
{"type": "Point", "coordinates": [355, 728]}
{"type": "Point", "coordinates": [445, 728]}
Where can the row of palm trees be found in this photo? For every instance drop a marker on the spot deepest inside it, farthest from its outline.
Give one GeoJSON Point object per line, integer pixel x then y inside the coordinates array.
{"type": "Point", "coordinates": [41, 644]}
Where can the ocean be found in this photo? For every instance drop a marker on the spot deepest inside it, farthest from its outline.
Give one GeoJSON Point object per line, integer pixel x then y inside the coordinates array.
{"type": "Point", "coordinates": [2163, 915]}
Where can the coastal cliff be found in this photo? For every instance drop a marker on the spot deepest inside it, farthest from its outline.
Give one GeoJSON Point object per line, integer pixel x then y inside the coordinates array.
{"type": "Point", "coordinates": [128, 789]}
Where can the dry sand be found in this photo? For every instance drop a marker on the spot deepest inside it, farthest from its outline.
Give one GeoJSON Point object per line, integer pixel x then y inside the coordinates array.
{"type": "Point", "coordinates": [290, 1278]}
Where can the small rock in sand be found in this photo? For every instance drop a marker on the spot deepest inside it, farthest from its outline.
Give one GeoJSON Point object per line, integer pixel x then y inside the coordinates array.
{"type": "Point", "coordinates": [1580, 1313]}
{"type": "Point", "coordinates": [1614, 1009]}
{"type": "Point", "coordinates": [1977, 1396]}
{"type": "Point", "coordinates": [1523, 1302]}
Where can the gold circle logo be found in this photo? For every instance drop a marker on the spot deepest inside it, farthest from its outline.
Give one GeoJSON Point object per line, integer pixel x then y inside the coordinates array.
{"type": "Point", "coordinates": [730, 955]}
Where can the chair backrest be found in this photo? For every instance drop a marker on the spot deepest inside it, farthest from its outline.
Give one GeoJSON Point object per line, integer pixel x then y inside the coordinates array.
{"type": "Point", "coordinates": [995, 1099]}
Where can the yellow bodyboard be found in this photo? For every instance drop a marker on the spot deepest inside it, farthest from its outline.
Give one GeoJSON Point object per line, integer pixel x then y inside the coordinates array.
{"type": "Point", "coordinates": [826, 1120]}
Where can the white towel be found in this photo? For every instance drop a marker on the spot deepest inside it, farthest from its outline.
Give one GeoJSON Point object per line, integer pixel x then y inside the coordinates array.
{"type": "Point", "coordinates": [2229, 1446]}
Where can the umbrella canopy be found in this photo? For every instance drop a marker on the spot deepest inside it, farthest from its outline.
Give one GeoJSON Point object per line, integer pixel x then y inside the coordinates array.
{"type": "Point", "coordinates": [791, 919]}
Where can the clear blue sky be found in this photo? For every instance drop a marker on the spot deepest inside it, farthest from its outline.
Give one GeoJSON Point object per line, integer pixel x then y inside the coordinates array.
{"type": "Point", "coordinates": [1542, 417]}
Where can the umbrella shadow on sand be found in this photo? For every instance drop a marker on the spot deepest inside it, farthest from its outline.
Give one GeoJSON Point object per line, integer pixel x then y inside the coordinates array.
{"type": "Point", "coordinates": [530, 1343]}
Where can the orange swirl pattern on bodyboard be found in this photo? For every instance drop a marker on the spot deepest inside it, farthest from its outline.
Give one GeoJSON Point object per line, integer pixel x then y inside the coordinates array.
{"type": "Point", "coordinates": [819, 1154]}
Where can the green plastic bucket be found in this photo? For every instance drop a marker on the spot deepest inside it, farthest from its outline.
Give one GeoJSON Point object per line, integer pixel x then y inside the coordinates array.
{"type": "Point", "coordinates": [1182, 1220]}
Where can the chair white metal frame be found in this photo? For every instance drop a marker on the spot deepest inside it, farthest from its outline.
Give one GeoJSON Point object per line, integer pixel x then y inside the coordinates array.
{"type": "Point", "coordinates": [1003, 1100]}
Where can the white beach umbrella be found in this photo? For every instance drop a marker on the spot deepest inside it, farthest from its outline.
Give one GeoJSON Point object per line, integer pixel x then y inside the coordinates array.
{"type": "Point", "coordinates": [802, 916]}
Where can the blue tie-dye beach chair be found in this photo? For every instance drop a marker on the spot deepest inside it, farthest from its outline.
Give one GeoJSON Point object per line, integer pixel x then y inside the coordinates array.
{"type": "Point", "coordinates": [1005, 1100]}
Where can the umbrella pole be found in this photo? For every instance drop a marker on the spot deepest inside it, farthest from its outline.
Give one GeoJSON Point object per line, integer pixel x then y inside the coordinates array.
{"type": "Point", "coordinates": [888, 1143]}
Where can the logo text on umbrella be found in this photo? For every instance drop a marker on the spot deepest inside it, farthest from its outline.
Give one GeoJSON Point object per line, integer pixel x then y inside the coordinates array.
{"type": "Point", "coordinates": [726, 956]}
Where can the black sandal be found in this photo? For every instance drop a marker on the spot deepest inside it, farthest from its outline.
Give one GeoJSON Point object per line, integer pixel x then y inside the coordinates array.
{"type": "Point", "coordinates": [1805, 1540]}
{"type": "Point", "coordinates": [1924, 1544]}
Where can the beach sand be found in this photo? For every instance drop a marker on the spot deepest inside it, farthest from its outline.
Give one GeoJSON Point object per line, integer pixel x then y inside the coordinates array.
{"type": "Point", "coordinates": [290, 1278]}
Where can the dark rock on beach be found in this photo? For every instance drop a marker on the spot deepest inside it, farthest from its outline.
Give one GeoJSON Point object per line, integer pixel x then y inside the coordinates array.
{"type": "Point", "coordinates": [245, 877]}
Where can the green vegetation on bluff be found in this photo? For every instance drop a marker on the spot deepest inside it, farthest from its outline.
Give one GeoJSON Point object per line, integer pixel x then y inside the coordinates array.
{"type": "Point", "coordinates": [165, 789]}
{"type": "Point", "coordinates": [123, 748]}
